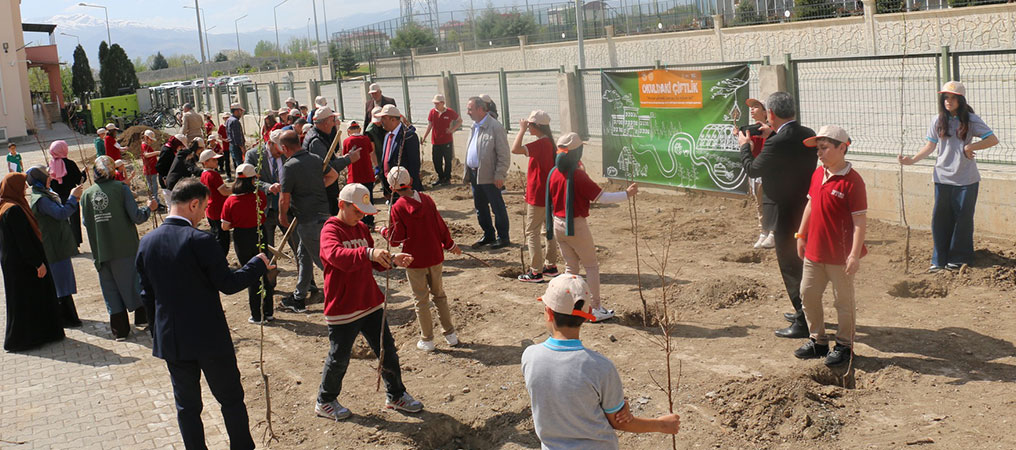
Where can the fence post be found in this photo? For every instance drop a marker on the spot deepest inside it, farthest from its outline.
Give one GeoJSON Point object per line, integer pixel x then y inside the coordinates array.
{"type": "Point", "coordinates": [198, 103]}
{"type": "Point", "coordinates": [273, 96]}
{"type": "Point", "coordinates": [580, 120]}
{"type": "Point", "coordinates": [657, 65]}
{"type": "Point", "coordinates": [241, 97]}
{"type": "Point", "coordinates": [313, 90]}
{"type": "Point", "coordinates": [503, 82]}
{"type": "Point", "coordinates": [946, 65]}
{"type": "Point", "coordinates": [218, 100]}
{"type": "Point", "coordinates": [956, 66]}
{"type": "Point", "coordinates": [568, 104]}
{"type": "Point", "coordinates": [241, 92]}
{"type": "Point", "coordinates": [792, 88]}
{"type": "Point", "coordinates": [341, 105]}
{"type": "Point", "coordinates": [452, 91]}
{"type": "Point", "coordinates": [405, 96]}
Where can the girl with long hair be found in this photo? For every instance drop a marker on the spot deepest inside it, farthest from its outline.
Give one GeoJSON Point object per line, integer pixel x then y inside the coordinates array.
{"type": "Point", "coordinates": [240, 214]}
{"type": "Point", "coordinates": [541, 154]}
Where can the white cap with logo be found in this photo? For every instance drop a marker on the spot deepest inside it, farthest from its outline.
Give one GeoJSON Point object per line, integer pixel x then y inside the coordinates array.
{"type": "Point", "coordinates": [954, 87]}
{"type": "Point", "coordinates": [357, 195]}
{"type": "Point", "coordinates": [564, 291]}
{"type": "Point", "coordinates": [150, 134]}
{"type": "Point", "coordinates": [398, 178]}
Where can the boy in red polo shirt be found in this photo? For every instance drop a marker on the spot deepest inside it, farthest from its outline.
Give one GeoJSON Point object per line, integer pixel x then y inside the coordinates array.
{"type": "Point", "coordinates": [364, 170]}
{"type": "Point", "coordinates": [420, 230]}
{"type": "Point", "coordinates": [541, 154]}
{"type": "Point", "coordinates": [831, 243]}
{"type": "Point", "coordinates": [353, 303]}
{"type": "Point", "coordinates": [218, 191]}
{"type": "Point", "coordinates": [443, 121]}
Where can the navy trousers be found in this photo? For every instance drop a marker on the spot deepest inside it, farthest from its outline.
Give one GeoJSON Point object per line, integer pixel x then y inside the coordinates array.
{"type": "Point", "coordinates": [952, 224]}
{"type": "Point", "coordinates": [487, 198]}
{"type": "Point", "coordinates": [223, 380]}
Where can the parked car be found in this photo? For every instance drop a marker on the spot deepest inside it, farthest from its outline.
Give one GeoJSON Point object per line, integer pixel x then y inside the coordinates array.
{"type": "Point", "coordinates": [198, 82]}
{"type": "Point", "coordinates": [240, 80]}
{"type": "Point", "coordinates": [224, 81]}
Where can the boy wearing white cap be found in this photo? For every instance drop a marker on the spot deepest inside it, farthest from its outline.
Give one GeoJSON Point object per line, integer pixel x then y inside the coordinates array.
{"type": "Point", "coordinates": [218, 191]}
{"type": "Point", "coordinates": [830, 240]}
{"type": "Point", "coordinates": [242, 213]}
{"type": "Point", "coordinates": [100, 142]}
{"type": "Point", "coordinates": [576, 393]}
{"type": "Point", "coordinates": [443, 121]}
{"type": "Point", "coordinates": [353, 303]}
{"type": "Point", "coordinates": [417, 227]}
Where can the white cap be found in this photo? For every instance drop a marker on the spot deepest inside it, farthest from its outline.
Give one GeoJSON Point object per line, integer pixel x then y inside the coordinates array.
{"type": "Point", "coordinates": [564, 291]}
{"type": "Point", "coordinates": [290, 100]}
{"type": "Point", "coordinates": [236, 106]}
{"type": "Point", "coordinates": [244, 170]}
{"type": "Point", "coordinates": [180, 137]}
{"type": "Point", "coordinates": [398, 178]}
{"type": "Point", "coordinates": [539, 117]}
{"type": "Point", "coordinates": [828, 131]}
{"type": "Point", "coordinates": [275, 135]}
{"type": "Point", "coordinates": [373, 88]}
{"type": "Point", "coordinates": [358, 195]}
{"type": "Point", "coordinates": [320, 101]}
{"type": "Point", "coordinates": [439, 98]}
{"type": "Point", "coordinates": [150, 134]}
{"type": "Point", "coordinates": [485, 98]}
{"type": "Point", "coordinates": [226, 115]}
{"type": "Point", "coordinates": [571, 141]}
{"type": "Point", "coordinates": [954, 87]}
{"type": "Point", "coordinates": [307, 127]}
{"type": "Point", "coordinates": [374, 115]}
{"type": "Point", "coordinates": [323, 113]}
{"type": "Point", "coordinates": [119, 163]}
{"type": "Point", "coordinates": [387, 110]}
{"type": "Point", "coordinates": [101, 131]}
{"type": "Point", "coordinates": [208, 154]}
{"type": "Point", "coordinates": [283, 111]}
{"type": "Point", "coordinates": [111, 127]}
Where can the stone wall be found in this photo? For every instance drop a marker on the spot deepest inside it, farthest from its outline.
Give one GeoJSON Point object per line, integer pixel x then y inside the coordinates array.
{"type": "Point", "coordinates": [970, 28]}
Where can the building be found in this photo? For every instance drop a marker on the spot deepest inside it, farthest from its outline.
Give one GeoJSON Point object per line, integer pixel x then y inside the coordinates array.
{"type": "Point", "coordinates": [17, 115]}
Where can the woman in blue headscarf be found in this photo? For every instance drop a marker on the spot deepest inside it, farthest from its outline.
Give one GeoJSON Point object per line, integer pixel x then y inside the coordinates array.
{"type": "Point", "coordinates": [569, 193]}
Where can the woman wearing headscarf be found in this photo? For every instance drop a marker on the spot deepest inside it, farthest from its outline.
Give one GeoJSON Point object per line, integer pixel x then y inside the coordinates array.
{"type": "Point", "coordinates": [52, 214]}
{"type": "Point", "coordinates": [66, 176]}
{"type": "Point", "coordinates": [31, 298]}
{"type": "Point", "coordinates": [111, 216]}
{"type": "Point", "coordinates": [569, 193]}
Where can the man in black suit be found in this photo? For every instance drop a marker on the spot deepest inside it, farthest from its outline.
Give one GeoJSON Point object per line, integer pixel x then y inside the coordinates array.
{"type": "Point", "coordinates": [785, 165]}
{"type": "Point", "coordinates": [182, 272]}
{"type": "Point", "coordinates": [401, 146]}
{"type": "Point", "coordinates": [375, 99]}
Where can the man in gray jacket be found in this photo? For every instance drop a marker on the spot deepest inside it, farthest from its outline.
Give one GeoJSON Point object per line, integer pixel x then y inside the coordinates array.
{"type": "Point", "coordinates": [487, 161]}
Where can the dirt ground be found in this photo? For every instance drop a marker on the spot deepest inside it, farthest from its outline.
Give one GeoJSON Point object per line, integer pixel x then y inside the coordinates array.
{"type": "Point", "coordinates": [934, 366]}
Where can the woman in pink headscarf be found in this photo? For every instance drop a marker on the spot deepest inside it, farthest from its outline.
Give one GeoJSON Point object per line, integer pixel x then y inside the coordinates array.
{"type": "Point", "coordinates": [66, 175]}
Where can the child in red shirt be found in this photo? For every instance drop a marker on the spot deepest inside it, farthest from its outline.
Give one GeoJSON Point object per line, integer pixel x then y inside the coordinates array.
{"type": "Point", "coordinates": [149, 158]}
{"type": "Point", "coordinates": [764, 207]}
{"type": "Point", "coordinates": [541, 161]}
{"type": "Point", "coordinates": [364, 170]}
{"type": "Point", "coordinates": [418, 228]}
{"type": "Point", "coordinates": [218, 191]}
{"type": "Point", "coordinates": [243, 212]}
{"type": "Point", "coordinates": [569, 193]}
{"type": "Point", "coordinates": [113, 147]}
{"type": "Point", "coordinates": [224, 144]}
{"type": "Point", "coordinates": [353, 303]}
{"type": "Point", "coordinates": [831, 243]}
{"type": "Point", "coordinates": [443, 121]}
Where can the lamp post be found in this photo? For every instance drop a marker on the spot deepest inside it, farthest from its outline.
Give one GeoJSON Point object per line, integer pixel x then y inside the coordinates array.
{"type": "Point", "coordinates": [208, 44]}
{"type": "Point", "coordinates": [109, 40]}
{"type": "Point", "coordinates": [579, 14]}
{"type": "Point", "coordinates": [278, 48]}
{"type": "Point", "coordinates": [201, 47]}
{"type": "Point", "coordinates": [73, 36]}
{"type": "Point", "coordinates": [317, 41]}
{"type": "Point", "coordinates": [204, 20]}
{"type": "Point", "coordinates": [237, 28]}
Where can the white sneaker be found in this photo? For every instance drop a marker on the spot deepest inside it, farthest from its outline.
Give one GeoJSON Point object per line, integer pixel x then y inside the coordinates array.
{"type": "Point", "coordinates": [761, 238]}
{"type": "Point", "coordinates": [769, 241]}
{"type": "Point", "coordinates": [427, 346]}
{"type": "Point", "coordinates": [332, 410]}
{"type": "Point", "coordinates": [451, 339]}
{"type": "Point", "coordinates": [602, 313]}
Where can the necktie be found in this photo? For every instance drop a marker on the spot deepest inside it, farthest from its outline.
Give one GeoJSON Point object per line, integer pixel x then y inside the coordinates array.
{"type": "Point", "coordinates": [388, 151]}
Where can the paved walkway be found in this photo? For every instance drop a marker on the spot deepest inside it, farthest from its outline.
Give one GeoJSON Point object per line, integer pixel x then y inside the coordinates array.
{"type": "Point", "coordinates": [89, 391]}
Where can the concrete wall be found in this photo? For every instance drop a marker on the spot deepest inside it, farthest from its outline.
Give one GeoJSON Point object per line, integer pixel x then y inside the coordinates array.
{"type": "Point", "coordinates": [969, 28]}
{"type": "Point", "coordinates": [15, 102]}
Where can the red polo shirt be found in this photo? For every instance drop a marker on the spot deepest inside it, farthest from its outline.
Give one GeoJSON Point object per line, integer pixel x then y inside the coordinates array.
{"type": "Point", "coordinates": [149, 161]}
{"type": "Point", "coordinates": [361, 171]}
{"type": "Point", "coordinates": [584, 188]}
{"type": "Point", "coordinates": [541, 159]}
{"type": "Point", "coordinates": [439, 125]}
{"type": "Point", "coordinates": [239, 210]}
{"type": "Point", "coordinates": [111, 150]}
{"type": "Point", "coordinates": [834, 202]}
{"type": "Point", "coordinates": [213, 180]}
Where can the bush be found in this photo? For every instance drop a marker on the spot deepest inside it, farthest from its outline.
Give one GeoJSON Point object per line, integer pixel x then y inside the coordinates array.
{"type": "Point", "coordinates": [746, 13]}
{"type": "Point", "coordinates": [814, 9]}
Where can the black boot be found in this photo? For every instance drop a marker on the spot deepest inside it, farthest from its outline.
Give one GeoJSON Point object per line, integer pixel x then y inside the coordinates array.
{"type": "Point", "coordinates": [120, 325]}
{"type": "Point", "coordinates": [796, 330]}
{"type": "Point", "coordinates": [140, 317]}
{"type": "Point", "coordinates": [791, 317]}
{"type": "Point", "coordinates": [68, 313]}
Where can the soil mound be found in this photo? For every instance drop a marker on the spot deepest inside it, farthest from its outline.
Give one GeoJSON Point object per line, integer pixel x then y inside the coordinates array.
{"type": "Point", "coordinates": [919, 289]}
{"type": "Point", "coordinates": [780, 408]}
{"type": "Point", "coordinates": [722, 294]}
{"type": "Point", "coordinates": [131, 139]}
{"type": "Point", "coordinates": [512, 272]}
{"type": "Point", "coordinates": [750, 257]}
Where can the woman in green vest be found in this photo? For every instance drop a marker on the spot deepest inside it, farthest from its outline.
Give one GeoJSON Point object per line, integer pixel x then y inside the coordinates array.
{"type": "Point", "coordinates": [57, 238]}
{"type": "Point", "coordinates": [111, 216]}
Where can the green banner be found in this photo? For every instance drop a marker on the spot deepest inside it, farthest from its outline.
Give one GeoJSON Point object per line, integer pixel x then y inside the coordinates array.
{"type": "Point", "coordinates": [675, 127]}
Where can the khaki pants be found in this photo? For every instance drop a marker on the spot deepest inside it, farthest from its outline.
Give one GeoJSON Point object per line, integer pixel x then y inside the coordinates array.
{"type": "Point", "coordinates": [536, 218]}
{"type": "Point", "coordinates": [579, 251]}
{"type": "Point", "coordinates": [813, 284]}
{"type": "Point", "coordinates": [427, 281]}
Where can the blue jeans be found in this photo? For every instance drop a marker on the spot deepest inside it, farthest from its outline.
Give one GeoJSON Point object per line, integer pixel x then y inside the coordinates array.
{"type": "Point", "coordinates": [487, 197]}
{"type": "Point", "coordinates": [952, 224]}
{"type": "Point", "coordinates": [237, 153]}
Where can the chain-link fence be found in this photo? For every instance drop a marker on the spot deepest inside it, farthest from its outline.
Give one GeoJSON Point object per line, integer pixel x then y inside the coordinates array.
{"type": "Point", "coordinates": [990, 78]}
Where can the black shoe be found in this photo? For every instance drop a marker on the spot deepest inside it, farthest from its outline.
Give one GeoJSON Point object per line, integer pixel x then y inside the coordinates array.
{"type": "Point", "coordinates": [484, 241]}
{"type": "Point", "coordinates": [791, 317]}
{"type": "Point", "coordinates": [796, 330]}
{"type": "Point", "coordinates": [500, 243]}
{"type": "Point", "coordinates": [437, 183]}
{"type": "Point", "coordinates": [812, 350]}
{"type": "Point", "coordinates": [313, 290]}
{"type": "Point", "coordinates": [550, 271]}
{"type": "Point", "coordinates": [840, 354]}
{"type": "Point", "coordinates": [294, 304]}
{"type": "Point", "coordinates": [531, 277]}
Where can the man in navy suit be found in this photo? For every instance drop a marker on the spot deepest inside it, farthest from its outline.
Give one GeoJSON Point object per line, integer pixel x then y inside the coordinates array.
{"type": "Point", "coordinates": [182, 272]}
{"type": "Point", "coordinates": [401, 146]}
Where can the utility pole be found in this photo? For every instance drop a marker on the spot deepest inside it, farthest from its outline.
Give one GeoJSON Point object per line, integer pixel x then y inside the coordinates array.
{"type": "Point", "coordinates": [317, 42]}
{"type": "Point", "coordinates": [237, 29]}
{"type": "Point", "coordinates": [578, 32]}
{"type": "Point", "coordinates": [201, 44]}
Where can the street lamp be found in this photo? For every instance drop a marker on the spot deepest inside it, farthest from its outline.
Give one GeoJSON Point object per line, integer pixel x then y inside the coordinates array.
{"type": "Point", "coordinates": [237, 29]}
{"type": "Point", "coordinates": [201, 47]}
{"type": "Point", "coordinates": [73, 36]}
{"type": "Point", "coordinates": [108, 38]}
{"type": "Point", "coordinates": [205, 21]}
{"type": "Point", "coordinates": [278, 48]}
{"type": "Point", "coordinates": [208, 45]}
{"type": "Point", "coordinates": [317, 39]}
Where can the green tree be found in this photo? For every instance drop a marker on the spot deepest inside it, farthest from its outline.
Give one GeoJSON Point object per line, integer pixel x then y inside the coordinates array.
{"type": "Point", "coordinates": [347, 61]}
{"type": "Point", "coordinates": [159, 62]}
{"type": "Point", "coordinates": [746, 13]}
{"type": "Point", "coordinates": [82, 81]}
{"type": "Point", "coordinates": [412, 35]}
{"type": "Point", "coordinates": [116, 72]}
{"type": "Point", "coordinates": [139, 65]}
{"type": "Point", "coordinates": [220, 57]}
{"type": "Point", "coordinates": [496, 25]}
{"type": "Point", "coordinates": [181, 61]}
{"type": "Point", "coordinates": [814, 9]}
{"type": "Point", "coordinates": [265, 49]}
{"type": "Point", "coordinates": [103, 51]}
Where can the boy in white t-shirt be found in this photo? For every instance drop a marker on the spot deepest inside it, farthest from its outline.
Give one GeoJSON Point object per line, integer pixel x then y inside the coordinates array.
{"type": "Point", "coordinates": [576, 393]}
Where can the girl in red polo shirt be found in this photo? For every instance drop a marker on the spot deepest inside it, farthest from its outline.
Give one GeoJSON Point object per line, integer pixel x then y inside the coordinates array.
{"type": "Point", "coordinates": [240, 214]}
{"type": "Point", "coordinates": [541, 161]}
{"type": "Point", "coordinates": [364, 170]}
{"type": "Point", "coordinates": [569, 193]}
